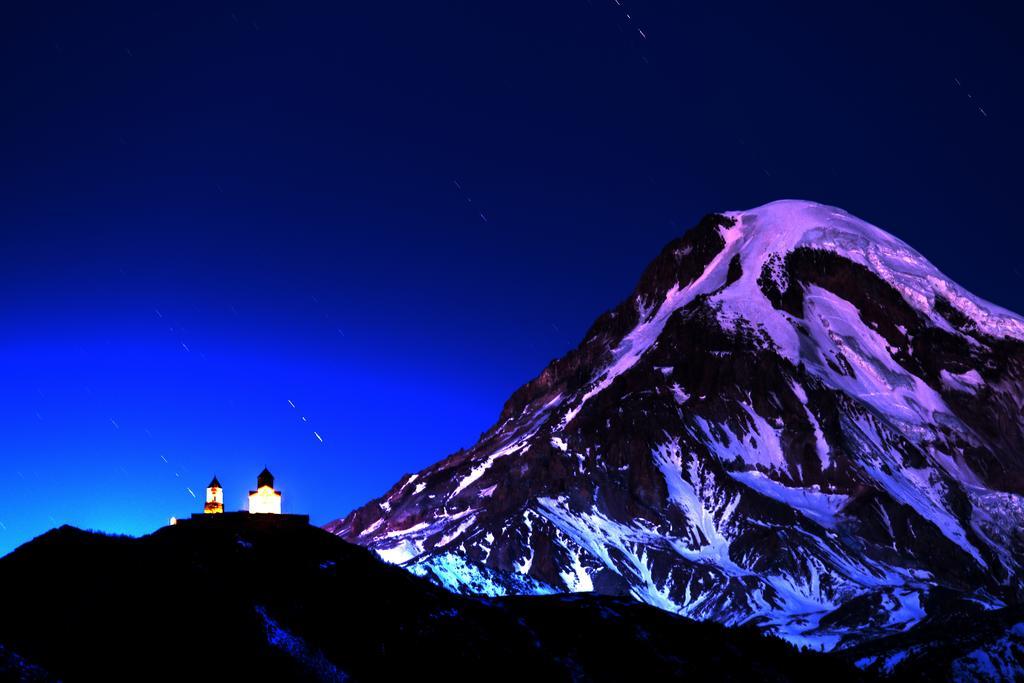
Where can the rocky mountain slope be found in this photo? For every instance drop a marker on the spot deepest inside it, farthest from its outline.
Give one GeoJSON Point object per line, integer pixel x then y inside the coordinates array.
{"type": "Point", "coordinates": [248, 600]}
{"type": "Point", "coordinates": [795, 421]}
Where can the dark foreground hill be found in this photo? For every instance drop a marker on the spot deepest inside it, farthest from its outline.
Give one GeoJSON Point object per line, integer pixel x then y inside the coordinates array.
{"type": "Point", "coordinates": [248, 600]}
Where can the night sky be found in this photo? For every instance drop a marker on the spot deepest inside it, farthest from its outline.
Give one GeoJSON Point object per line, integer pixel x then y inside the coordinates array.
{"type": "Point", "coordinates": [393, 214]}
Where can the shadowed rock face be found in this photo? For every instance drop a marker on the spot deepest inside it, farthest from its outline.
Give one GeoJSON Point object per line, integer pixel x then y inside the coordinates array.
{"type": "Point", "coordinates": [245, 600]}
{"type": "Point", "coordinates": [794, 421]}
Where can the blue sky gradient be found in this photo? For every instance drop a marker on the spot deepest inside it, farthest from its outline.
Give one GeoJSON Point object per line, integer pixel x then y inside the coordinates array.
{"type": "Point", "coordinates": [394, 214]}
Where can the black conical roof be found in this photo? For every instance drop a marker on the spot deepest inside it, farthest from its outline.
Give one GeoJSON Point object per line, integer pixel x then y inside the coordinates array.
{"type": "Point", "coordinates": [265, 478]}
{"type": "Point", "coordinates": [214, 484]}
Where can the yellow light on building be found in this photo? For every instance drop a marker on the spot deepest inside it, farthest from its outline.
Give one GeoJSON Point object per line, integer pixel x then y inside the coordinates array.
{"type": "Point", "coordinates": [214, 498]}
{"type": "Point", "coordinates": [265, 500]}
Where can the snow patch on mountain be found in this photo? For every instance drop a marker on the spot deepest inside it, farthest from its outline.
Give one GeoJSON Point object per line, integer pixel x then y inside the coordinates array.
{"type": "Point", "coordinates": [822, 508]}
{"type": "Point", "coordinates": [968, 382]}
{"type": "Point", "coordinates": [460, 575]}
{"type": "Point", "coordinates": [694, 495]}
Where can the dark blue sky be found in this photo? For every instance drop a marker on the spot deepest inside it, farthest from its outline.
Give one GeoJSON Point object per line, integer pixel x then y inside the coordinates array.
{"type": "Point", "coordinates": [393, 214]}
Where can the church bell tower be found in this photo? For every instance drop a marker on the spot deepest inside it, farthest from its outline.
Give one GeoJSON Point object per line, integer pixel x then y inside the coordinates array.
{"type": "Point", "coordinates": [214, 498]}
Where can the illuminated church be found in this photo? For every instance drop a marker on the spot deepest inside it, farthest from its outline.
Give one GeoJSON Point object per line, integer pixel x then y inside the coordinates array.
{"type": "Point", "coordinates": [214, 498]}
{"type": "Point", "coordinates": [264, 500]}
{"type": "Point", "coordinates": [264, 504]}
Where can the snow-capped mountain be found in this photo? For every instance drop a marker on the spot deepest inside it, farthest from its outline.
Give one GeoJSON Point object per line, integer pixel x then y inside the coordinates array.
{"type": "Point", "coordinates": [795, 421]}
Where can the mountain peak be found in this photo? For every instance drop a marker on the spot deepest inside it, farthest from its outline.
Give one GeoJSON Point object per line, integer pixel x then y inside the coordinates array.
{"type": "Point", "coordinates": [783, 226]}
